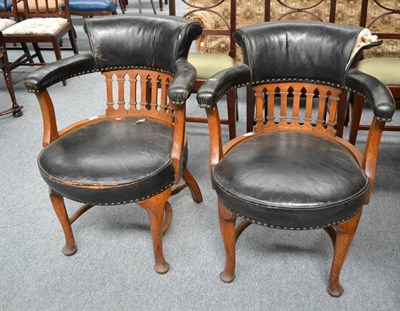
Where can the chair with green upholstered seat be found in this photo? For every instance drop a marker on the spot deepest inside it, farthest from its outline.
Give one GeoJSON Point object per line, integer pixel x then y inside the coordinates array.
{"type": "Point", "coordinates": [385, 67]}
{"type": "Point", "coordinates": [208, 64]}
{"type": "Point", "coordinates": [387, 70]}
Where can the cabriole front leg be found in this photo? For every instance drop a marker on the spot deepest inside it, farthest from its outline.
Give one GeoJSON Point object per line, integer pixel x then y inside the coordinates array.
{"type": "Point", "coordinates": [227, 221]}
{"type": "Point", "coordinates": [344, 236]}
{"type": "Point", "coordinates": [155, 207]}
{"type": "Point", "coordinates": [59, 207]}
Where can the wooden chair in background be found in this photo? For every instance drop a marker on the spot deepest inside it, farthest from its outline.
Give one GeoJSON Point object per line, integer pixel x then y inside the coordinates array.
{"type": "Point", "coordinates": [386, 68]}
{"type": "Point", "coordinates": [47, 21]}
{"type": "Point", "coordinates": [208, 64]}
{"type": "Point", "coordinates": [9, 17]}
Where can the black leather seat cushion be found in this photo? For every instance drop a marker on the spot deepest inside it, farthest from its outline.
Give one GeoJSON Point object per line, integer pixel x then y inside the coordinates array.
{"type": "Point", "coordinates": [110, 162]}
{"type": "Point", "coordinates": [291, 180]}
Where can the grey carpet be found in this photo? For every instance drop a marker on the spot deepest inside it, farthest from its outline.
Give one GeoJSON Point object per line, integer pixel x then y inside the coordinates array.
{"type": "Point", "coordinates": [113, 268]}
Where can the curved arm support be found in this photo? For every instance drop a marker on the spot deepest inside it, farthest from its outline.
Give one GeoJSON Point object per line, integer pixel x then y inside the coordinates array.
{"type": "Point", "coordinates": [217, 86]}
{"type": "Point", "coordinates": [178, 141]}
{"type": "Point", "coordinates": [376, 92]}
{"type": "Point", "coordinates": [63, 69]}
{"type": "Point", "coordinates": [371, 151]}
{"type": "Point", "coordinates": [383, 106]}
{"type": "Point", "coordinates": [214, 125]}
{"type": "Point", "coordinates": [50, 131]}
{"type": "Point", "coordinates": [182, 86]}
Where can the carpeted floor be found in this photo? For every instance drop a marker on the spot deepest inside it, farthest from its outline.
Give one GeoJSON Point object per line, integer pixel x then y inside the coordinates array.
{"type": "Point", "coordinates": [113, 268]}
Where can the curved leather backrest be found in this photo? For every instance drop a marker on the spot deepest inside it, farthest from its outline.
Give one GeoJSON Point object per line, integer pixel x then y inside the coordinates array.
{"type": "Point", "coordinates": [141, 41]}
{"type": "Point", "coordinates": [297, 50]}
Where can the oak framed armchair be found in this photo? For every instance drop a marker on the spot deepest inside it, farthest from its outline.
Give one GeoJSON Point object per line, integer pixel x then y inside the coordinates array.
{"type": "Point", "coordinates": [293, 172]}
{"type": "Point", "coordinates": [137, 151]}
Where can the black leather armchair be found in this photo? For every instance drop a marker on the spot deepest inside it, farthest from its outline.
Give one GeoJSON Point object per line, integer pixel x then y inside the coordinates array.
{"type": "Point", "coordinates": [135, 154]}
{"type": "Point", "coordinates": [293, 172]}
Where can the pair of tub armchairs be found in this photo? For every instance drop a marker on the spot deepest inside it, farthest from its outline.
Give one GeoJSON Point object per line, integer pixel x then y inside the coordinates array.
{"type": "Point", "coordinates": [292, 172]}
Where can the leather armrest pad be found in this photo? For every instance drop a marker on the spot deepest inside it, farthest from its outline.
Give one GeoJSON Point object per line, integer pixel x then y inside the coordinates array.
{"type": "Point", "coordinates": [376, 92]}
{"type": "Point", "coordinates": [217, 86]}
{"type": "Point", "coordinates": [60, 70]}
{"type": "Point", "coordinates": [182, 86]}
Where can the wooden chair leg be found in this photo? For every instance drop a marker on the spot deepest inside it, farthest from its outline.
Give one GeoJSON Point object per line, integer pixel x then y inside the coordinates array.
{"type": "Point", "coordinates": [231, 103]}
{"type": "Point", "coordinates": [193, 186]}
{"type": "Point", "coordinates": [16, 109]}
{"type": "Point", "coordinates": [38, 52]}
{"type": "Point", "coordinates": [59, 207]}
{"type": "Point", "coordinates": [332, 234]}
{"type": "Point", "coordinates": [155, 207]}
{"type": "Point", "coordinates": [154, 8]}
{"type": "Point", "coordinates": [57, 52]}
{"type": "Point", "coordinates": [227, 222]}
{"type": "Point", "coordinates": [72, 39]}
{"type": "Point", "coordinates": [241, 227]}
{"type": "Point", "coordinates": [344, 236]}
{"type": "Point", "coordinates": [25, 48]}
{"type": "Point", "coordinates": [122, 6]}
{"type": "Point", "coordinates": [355, 111]}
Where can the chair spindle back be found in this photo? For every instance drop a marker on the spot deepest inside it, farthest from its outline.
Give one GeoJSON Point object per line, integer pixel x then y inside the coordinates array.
{"type": "Point", "coordinates": [139, 92]}
{"type": "Point", "coordinates": [297, 106]}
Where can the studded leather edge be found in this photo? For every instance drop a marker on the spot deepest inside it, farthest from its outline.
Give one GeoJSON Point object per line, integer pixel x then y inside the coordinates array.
{"type": "Point", "coordinates": [128, 201]}
{"type": "Point", "coordinates": [204, 104]}
{"type": "Point", "coordinates": [290, 228]}
{"type": "Point", "coordinates": [80, 73]}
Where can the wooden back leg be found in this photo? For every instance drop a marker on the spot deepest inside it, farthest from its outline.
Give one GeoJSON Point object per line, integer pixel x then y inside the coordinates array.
{"type": "Point", "coordinates": [193, 186]}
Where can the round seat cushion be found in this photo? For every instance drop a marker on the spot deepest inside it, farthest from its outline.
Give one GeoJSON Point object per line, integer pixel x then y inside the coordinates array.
{"type": "Point", "coordinates": [110, 162]}
{"type": "Point", "coordinates": [291, 180]}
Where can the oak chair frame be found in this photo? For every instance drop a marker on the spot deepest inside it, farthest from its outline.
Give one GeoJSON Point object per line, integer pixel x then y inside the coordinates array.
{"type": "Point", "coordinates": [329, 99]}
{"type": "Point", "coordinates": [152, 104]}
